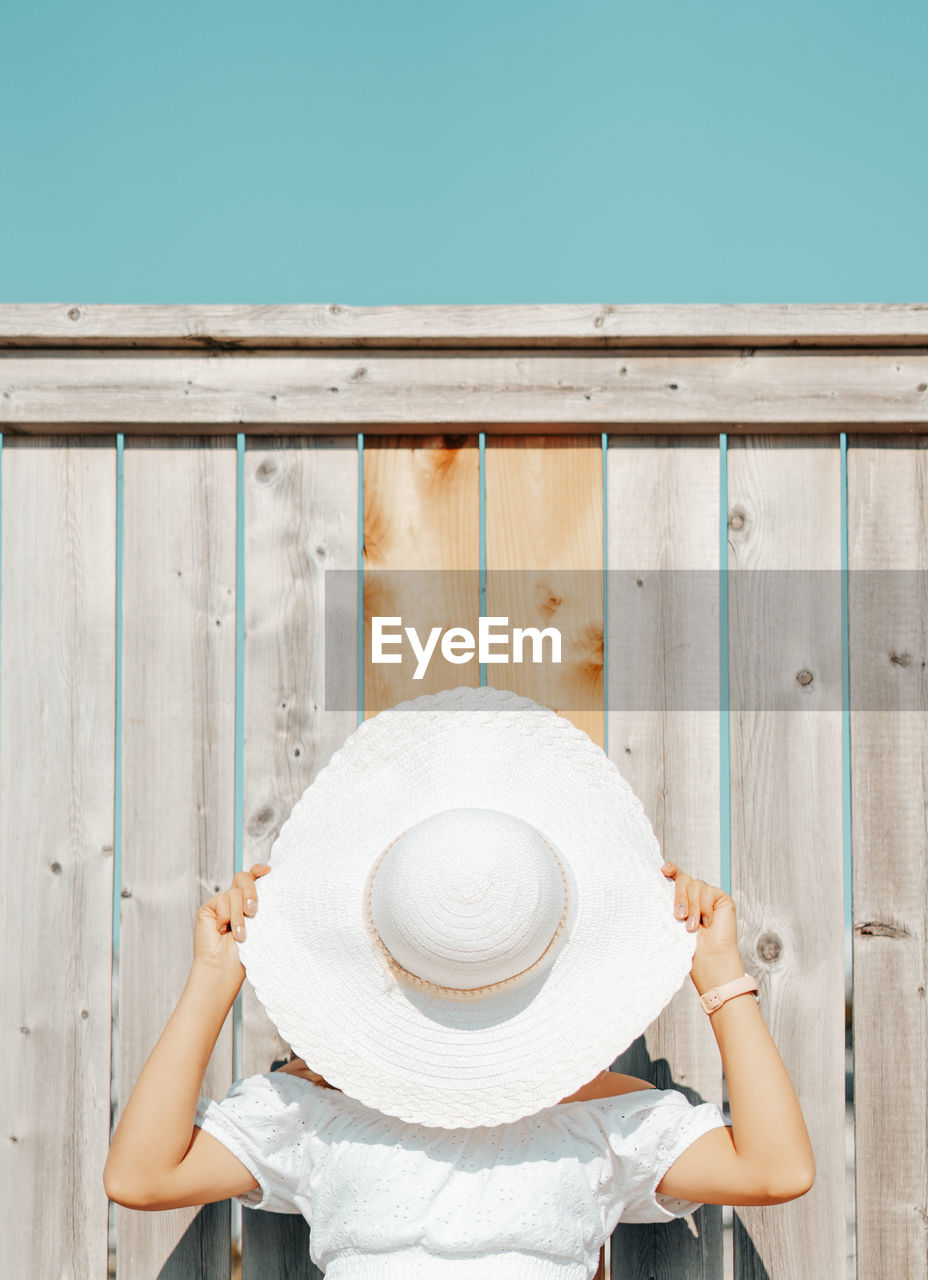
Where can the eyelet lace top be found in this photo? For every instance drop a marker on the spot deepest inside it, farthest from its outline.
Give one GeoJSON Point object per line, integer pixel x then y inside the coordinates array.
{"type": "Point", "coordinates": [534, 1198]}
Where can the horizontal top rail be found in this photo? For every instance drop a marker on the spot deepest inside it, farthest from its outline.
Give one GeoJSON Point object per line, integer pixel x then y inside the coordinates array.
{"type": "Point", "coordinates": [525, 392]}
{"type": "Point", "coordinates": [242, 327]}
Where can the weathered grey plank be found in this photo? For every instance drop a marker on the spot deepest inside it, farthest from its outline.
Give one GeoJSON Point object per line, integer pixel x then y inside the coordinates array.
{"type": "Point", "coordinates": [786, 815]}
{"type": "Point", "coordinates": [301, 520]}
{"type": "Point", "coordinates": [662, 509]}
{"type": "Point", "coordinates": [531, 325]}
{"type": "Point", "coordinates": [888, 608]}
{"type": "Point", "coordinates": [342, 392]}
{"type": "Point", "coordinates": [56, 828]}
{"type": "Point", "coordinates": [178, 784]}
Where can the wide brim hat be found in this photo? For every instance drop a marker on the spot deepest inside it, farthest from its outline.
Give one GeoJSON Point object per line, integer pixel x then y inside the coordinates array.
{"type": "Point", "coordinates": [465, 918]}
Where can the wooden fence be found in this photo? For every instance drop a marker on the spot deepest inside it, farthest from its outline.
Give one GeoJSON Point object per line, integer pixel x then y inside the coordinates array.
{"type": "Point", "coordinates": [176, 482]}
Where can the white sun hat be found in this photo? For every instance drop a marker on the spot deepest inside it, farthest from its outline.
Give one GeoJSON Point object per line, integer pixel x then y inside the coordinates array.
{"type": "Point", "coordinates": [465, 918]}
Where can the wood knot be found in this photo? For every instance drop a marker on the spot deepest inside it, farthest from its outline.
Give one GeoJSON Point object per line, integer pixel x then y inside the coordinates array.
{"type": "Point", "coordinates": [548, 601]}
{"type": "Point", "coordinates": [74, 313]}
{"type": "Point", "coordinates": [804, 677]}
{"type": "Point", "coordinates": [769, 947]}
{"type": "Point", "coordinates": [737, 518]}
{"type": "Point", "coordinates": [879, 929]}
{"type": "Point", "coordinates": [266, 471]}
{"type": "Point", "coordinates": [260, 820]}
{"type": "Point", "coordinates": [900, 659]}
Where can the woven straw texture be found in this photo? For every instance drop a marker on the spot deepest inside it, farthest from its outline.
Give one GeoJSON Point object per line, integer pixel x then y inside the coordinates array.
{"type": "Point", "coordinates": [463, 1063]}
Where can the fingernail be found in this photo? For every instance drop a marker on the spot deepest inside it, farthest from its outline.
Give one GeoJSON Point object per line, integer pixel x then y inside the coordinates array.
{"type": "Point", "coordinates": [240, 931]}
{"type": "Point", "coordinates": [692, 923]}
{"type": "Point", "coordinates": [680, 910]}
{"type": "Point", "coordinates": [250, 906]}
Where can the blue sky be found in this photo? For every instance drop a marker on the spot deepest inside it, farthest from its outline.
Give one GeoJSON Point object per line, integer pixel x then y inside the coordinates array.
{"type": "Point", "coordinates": [495, 151]}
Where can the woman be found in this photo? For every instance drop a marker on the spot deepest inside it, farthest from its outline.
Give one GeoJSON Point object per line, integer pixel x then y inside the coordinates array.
{"type": "Point", "coordinates": [514, 925]}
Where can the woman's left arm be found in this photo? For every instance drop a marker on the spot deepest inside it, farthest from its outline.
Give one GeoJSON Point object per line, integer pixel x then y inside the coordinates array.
{"type": "Point", "coordinates": [155, 1131]}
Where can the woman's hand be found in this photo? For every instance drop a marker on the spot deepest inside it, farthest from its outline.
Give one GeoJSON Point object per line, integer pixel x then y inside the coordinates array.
{"type": "Point", "coordinates": [709, 910]}
{"type": "Point", "coordinates": [220, 923]}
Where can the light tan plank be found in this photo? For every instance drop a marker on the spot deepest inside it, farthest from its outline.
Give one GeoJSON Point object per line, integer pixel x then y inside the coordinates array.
{"type": "Point", "coordinates": [534, 325]}
{"type": "Point", "coordinates": [544, 557]}
{"type": "Point", "coordinates": [663, 676]}
{"type": "Point", "coordinates": [339, 392]}
{"type": "Point", "coordinates": [421, 555]}
{"type": "Point", "coordinates": [786, 814]}
{"type": "Point", "coordinates": [178, 783]}
{"type": "Point", "coordinates": [544, 562]}
{"type": "Point", "coordinates": [301, 526]}
{"type": "Point", "coordinates": [887, 560]}
{"type": "Point", "coordinates": [56, 829]}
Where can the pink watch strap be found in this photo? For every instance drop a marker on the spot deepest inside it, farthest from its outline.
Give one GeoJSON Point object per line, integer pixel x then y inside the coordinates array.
{"type": "Point", "coordinates": [714, 999]}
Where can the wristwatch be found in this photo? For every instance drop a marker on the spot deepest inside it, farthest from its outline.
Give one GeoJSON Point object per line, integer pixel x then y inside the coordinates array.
{"type": "Point", "coordinates": [714, 999]}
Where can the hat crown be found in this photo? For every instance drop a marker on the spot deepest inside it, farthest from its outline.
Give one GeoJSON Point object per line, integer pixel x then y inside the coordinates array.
{"type": "Point", "coordinates": [467, 898]}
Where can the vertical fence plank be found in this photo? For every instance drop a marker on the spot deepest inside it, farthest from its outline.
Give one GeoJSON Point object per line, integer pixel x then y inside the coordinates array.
{"type": "Point", "coordinates": [56, 829]}
{"type": "Point", "coordinates": [178, 784]}
{"type": "Point", "coordinates": [544, 530]}
{"type": "Point", "coordinates": [544, 562]}
{"type": "Point", "coordinates": [662, 659]}
{"type": "Point", "coordinates": [421, 554]}
{"type": "Point", "coordinates": [301, 503]}
{"type": "Point", "coordinates": [786, 790]}
{"type": "Point", "coordinates": [888, 645]}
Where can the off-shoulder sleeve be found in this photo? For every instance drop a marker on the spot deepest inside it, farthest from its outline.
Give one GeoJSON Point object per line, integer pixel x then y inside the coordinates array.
{"type": "Point", "coordinates": [265, 1120]}
{"type": "Point", "coordinates": [645, 1131]}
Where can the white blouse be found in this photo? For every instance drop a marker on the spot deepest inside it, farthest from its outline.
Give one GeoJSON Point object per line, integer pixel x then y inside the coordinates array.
{"type": "Point", "coordinates": [534, 1198]}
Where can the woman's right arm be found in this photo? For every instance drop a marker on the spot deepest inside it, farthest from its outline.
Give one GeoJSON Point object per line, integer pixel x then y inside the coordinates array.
{"type": "Point", "coordinates": [157, 1158]}
{"type": "Point", "coordinates": [766, 1156]}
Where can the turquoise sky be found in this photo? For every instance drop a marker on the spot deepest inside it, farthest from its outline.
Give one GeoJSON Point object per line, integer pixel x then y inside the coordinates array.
{"type": "Point", "coordinates": [431, 152]}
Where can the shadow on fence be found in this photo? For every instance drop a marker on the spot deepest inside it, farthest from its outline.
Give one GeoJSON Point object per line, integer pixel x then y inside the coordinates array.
{"type": "Point", "coordinates": [201, 1244]}
{"type": "Point", "coordinates": [670, 1249]}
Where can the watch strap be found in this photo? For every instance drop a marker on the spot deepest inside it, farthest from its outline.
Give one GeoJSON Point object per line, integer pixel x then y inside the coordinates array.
{"type": "Point", "coordinates": [714, 999]}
